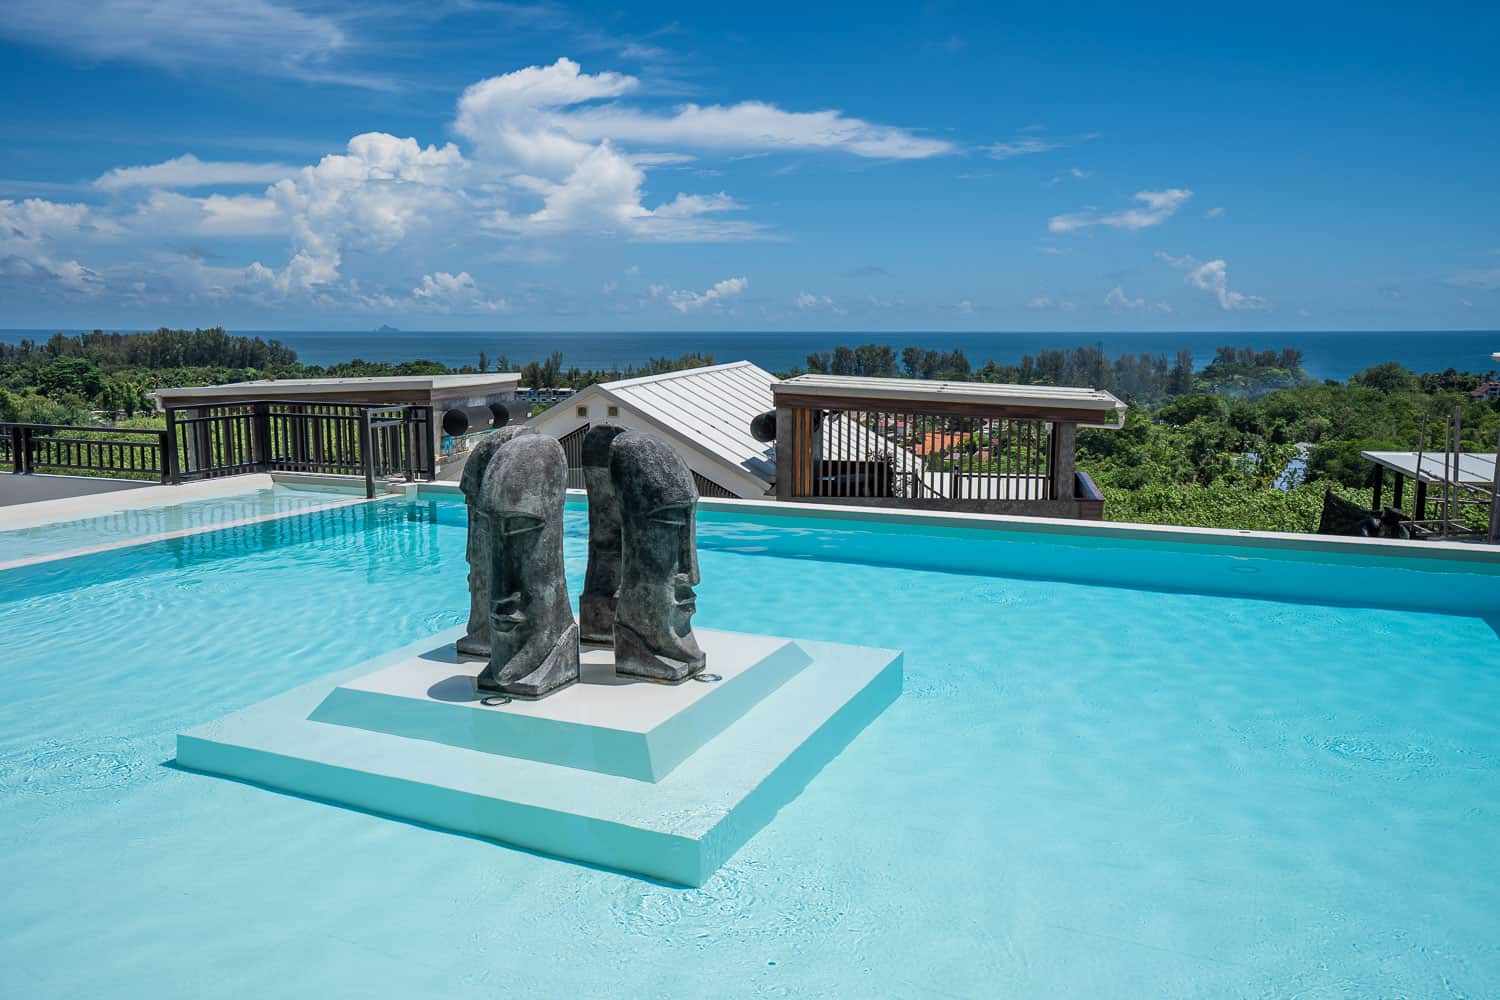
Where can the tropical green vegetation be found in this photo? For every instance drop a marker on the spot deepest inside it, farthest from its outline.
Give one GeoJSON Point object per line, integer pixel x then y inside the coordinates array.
{"type": "Point", "coordinates": [1246, 441]}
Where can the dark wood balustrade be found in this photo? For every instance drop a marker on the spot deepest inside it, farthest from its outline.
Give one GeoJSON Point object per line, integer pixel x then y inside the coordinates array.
{"type": "Point", "coordinates": [119, 452]}
{"type": "Point", "coordinates": [206, 442]}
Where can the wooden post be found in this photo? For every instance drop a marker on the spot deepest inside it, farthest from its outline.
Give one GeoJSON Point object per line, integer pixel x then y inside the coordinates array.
{"type": "Point", "coordinates": [784, 457]}
{"type": "Point", "coordinates": [23, 450]}
{"type": "Point", "coordinates": [171, 468]}
{"type": "Point", "coordinates": [1064, 443]}
{"type": "Point", "coordinates": [260, 436]}
{"type": "Point", "coordinates": [367, 452]}
{"type": "Point", "coordinates": [1378, 486]}
{"type": "Point", "coordinates": [1400, 489]}
{"type": "Point", "coordinates": [202, 441]}
{"type": "Point", "coordinates": [163, 458]}
{"type": "Point", "coordinates": [1419, 501]}
{"type": "Point", "coordinates": [18, 448]}
{"type": "Point", "coordinates": [428, 454]}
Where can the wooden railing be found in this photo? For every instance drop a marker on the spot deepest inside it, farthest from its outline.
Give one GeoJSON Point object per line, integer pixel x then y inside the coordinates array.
{"type": "Point", "coordinates": [339, 439]}
{"type": "Point", "coordinates": [206, 442]}
{"type": "Point", "coordinates": [862, 454]}
{"type": "Point", "coordinates": [120, 452]}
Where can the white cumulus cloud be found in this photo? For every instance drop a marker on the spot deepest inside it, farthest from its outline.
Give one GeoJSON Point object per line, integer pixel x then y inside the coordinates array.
{"type": "Point", "coordinates": [454, 293]}
{"type": "Point", "coordinates": [544, 131]}
{"type": "Point", "coordinates": [33, 233]}
{"type": "Point", "coordinates": [685, 301]}
{"type": "Point", "coordinates": [188, 171]}
{"type": "Point", "coordinates": [375, 196]}
{"type": "Point", "coordinates": [1156, 207]}
{"type": "Point", "coordinates": [1213, 276]}
{"type": "Point", "coordinates": [214, 215]}
{"type": "Point", "coordinates": [1117, 300]}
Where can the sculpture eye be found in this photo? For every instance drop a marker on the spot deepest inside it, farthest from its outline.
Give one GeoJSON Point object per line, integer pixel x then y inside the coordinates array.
{"type": "Point", "coordinates": [519, 524]}
{"type": "Point", "coordinates": [675, 516]}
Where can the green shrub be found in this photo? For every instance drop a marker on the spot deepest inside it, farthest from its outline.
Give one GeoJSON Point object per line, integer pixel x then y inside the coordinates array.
{"type": "Point", "coordinates": [1224, 505]}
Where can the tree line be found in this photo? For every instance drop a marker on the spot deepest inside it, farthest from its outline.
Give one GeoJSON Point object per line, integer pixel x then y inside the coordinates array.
{"type": "Point", "coordinates": [1246, 441]}
{"type": "Point", "coordinates": [1140, 379]}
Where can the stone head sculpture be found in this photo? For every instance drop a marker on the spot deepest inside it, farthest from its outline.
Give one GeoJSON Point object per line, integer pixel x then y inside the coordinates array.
{"type": "Point", "coordinates": [533, 638]}
{"type": "Point", "coordinates": [476, 641]}
{"type": "Point", "coordinates": [601, 583]}
{"type": "Point", "coordinates": [659, 560]}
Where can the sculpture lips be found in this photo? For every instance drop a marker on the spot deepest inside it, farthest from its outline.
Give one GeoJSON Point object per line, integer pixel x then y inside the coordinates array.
{"type": "Point", "coordinates": [685, 598]}
{"type": "Point", "coordinates": [507, 615]}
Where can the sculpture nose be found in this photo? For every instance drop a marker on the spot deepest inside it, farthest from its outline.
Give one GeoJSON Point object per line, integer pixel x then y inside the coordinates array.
{"type": "Point", "coordinates": [688, 560]}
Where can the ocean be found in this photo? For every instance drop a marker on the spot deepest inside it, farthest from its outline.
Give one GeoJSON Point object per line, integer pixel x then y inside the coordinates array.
{"type": "Point", "coordinates": [1326, 355]}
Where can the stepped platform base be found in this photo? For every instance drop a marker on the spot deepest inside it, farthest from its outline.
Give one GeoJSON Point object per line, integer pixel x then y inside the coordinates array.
{"type": "Point", "coordinates": [665, 781]}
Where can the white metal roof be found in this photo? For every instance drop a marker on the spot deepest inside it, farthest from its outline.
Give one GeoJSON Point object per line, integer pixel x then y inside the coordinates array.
{"type": "Point", "coordinates": [925, 390]}
{"type": "Point", "coordinates": [351, 385]}
{"type": "Point", "coordinates": [1473, 467]}
{"type": "Point", "coordinates": [712, 407]}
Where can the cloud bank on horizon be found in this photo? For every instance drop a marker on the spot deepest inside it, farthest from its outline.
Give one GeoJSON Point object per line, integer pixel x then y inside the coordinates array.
{"type": "Point", "coordinates": [574, 191]}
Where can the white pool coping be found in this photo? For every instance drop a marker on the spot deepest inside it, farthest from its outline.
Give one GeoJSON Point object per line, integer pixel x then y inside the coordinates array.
{"type": "Point", "coordinates": [45, 512]}
{"type": "Point", "coordinates": [1288, 540]}
{"type": "Point", "coordinates": [75, 508]}
{"type": "Point", "coordinates": [41, 512]}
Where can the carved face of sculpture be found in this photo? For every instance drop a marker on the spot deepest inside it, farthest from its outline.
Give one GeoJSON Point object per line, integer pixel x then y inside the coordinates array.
{"type": "Point", "coordinates": [658, 501]}
{"type": "Point", "coordinates": [670, 555]}
{"type": "Point", "coordinates": [529, 617]}
{"type": "Point", "coordinates": [512, 589]}
{"type": "Point", "coordinates": [476, 642]}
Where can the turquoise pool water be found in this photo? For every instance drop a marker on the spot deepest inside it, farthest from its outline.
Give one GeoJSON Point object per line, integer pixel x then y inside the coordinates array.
{"type": "Point", "coordinates": [1087, 789]}
{"type": "Point", "coordinates": [105, 529]}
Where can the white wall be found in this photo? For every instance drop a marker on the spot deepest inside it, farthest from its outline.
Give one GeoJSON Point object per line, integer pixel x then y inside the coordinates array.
{"type": "Point", "coordinates": [562, 419]}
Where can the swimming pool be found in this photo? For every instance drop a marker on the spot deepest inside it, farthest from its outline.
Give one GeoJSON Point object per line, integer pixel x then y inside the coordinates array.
{"type": "Point", "coordinates": [1095, 784]}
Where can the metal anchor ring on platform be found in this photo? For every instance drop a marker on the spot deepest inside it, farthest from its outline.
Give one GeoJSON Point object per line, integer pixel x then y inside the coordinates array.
{"type": "Point", "coordinates": [708, 678]}
{"type": "Point", "coordinates": [494, 700]}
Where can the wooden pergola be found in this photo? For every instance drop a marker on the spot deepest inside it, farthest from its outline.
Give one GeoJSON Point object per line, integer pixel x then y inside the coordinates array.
{"type": "Point", "coordinates": [960, 446]}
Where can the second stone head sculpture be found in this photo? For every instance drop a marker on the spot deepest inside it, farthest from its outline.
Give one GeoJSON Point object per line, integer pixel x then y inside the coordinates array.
{"type": "Point", "coordinates": [533, 637]}
{"type": "Point", "coordinates": [601, 582]}
{"type": "Point", "coordinates": [653, 632]}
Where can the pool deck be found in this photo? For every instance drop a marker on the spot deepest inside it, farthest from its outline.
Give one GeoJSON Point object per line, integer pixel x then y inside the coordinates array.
{"type": "Point", "coordinates": [42, 488]}
{"type": "Point", "coordinates": [44, 512]}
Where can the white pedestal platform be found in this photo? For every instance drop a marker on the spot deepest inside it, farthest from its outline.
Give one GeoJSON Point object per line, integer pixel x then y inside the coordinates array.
{"type": "Point", "coordinates": [661, 780]}
{"type": "Point", "coordinates": [626, 726]}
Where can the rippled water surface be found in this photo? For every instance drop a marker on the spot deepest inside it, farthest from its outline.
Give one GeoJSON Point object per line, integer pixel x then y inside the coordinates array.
{"type": "Point", "coordinates": [1084, 791]}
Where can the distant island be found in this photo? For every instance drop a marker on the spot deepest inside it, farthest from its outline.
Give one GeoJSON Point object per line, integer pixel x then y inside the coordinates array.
{"type": "Point", "coordinates": [386, 328]}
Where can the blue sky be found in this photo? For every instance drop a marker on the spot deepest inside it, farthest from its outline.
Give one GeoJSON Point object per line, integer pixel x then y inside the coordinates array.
{"type": "Point", "coordinates": [264, 164]}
